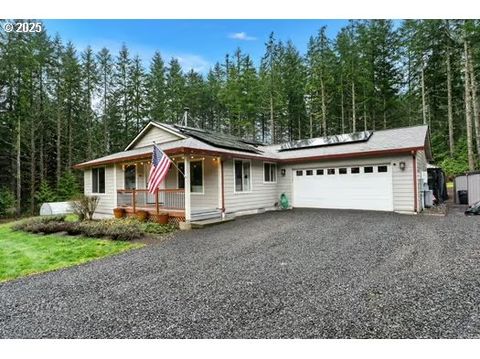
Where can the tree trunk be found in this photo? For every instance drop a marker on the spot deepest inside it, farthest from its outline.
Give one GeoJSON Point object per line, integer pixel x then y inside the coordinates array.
{"type": "Point", "coordinates": [473, 89]}
{"type": "Point", "coordinates": [324, 107]}
{"type": "Point", "coordinates": [42, 131]}
{"type": "Point", "coordinates": [468, 109]}
{"type": "Point", "coordinates": [384, 113]}
{"type": "Point", "coordinates": [272, 120]}
{"type": "Point", "coordinates": [364, 109]}
{"type": "Point", "coordinates": [354, 120]}
{"type": "Point", "coordinates": [59, 144]}
{"type": "Point", "coordinates": [105, 122]}
{"type": "Point", "coordinates": [342, 101]}
{"type": "Point", "coordinates": [451, 143]}
{"type": "Point", "coordinates": [34, 119]}
{"type": "Point", "coordinates": [424, 103]}
{"type": "Point", "coordinates": [32, 167]}
{"type": "Point", "coordinates": [311, 124]}
{"type": "Point", "coordinates": [19, 167]}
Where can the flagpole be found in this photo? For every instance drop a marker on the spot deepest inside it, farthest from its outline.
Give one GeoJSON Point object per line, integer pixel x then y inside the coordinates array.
{"type": "Point", "coordinates": [179, 170]}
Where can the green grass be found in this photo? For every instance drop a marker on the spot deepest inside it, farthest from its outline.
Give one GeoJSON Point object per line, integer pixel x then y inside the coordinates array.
{"type": "Point", "coordinates": [24, 253]}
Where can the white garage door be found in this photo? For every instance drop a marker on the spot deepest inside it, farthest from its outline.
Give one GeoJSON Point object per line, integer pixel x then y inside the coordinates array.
{"type": "Point", "coordinates": [350, 187]}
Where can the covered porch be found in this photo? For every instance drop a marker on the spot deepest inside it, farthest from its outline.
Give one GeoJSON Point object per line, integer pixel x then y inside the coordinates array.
{"type": "Point", "coordinates": [192, 189]}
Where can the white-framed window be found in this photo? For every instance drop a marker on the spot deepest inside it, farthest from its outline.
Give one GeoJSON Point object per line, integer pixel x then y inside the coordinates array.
{"type": "Point", "coordinates": [196, 176]}
{"type": "Point", "coordinates": [130, 177]}
{"type": "Point", "coordinates": [242, 175]}
{"type": "Point", "coordinates": [269, 172]}
{"type": "Point", "coordinates": [98, 180]}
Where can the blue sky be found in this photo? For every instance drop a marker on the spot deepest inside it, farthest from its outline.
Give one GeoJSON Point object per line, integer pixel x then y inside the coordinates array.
{"type": "Point", "coordinates": [198, 44]}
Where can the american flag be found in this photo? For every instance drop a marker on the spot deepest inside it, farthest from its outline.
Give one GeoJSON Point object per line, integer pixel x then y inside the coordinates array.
{"type": "Point", "coordinates": [159, 169]}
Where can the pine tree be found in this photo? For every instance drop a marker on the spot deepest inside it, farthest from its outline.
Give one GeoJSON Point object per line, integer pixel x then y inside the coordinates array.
{"type": "Point", "coordinates": [175, 93]}
{"type": "Point", "coordinates": [89, 84]}
{"type": "Point", "coordinates": [156, 89]}
{"type": "Point", "coordinates": [137, 91]}
{"type": "Point", "coordinates": [105, 87]}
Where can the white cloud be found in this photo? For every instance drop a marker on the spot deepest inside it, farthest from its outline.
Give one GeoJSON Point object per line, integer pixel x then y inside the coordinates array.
{"type": "Point", "coordinates": [192, 62]}
{"type": "Point", "coordinates": [241, 36]}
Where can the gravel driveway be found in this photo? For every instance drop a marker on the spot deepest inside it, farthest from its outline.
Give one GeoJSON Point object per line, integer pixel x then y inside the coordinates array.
{"type": "Point", "coordinates": [300, 273]}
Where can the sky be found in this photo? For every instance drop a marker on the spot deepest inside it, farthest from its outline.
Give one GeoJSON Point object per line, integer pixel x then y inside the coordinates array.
{"type": "Point", "coordinates": [198, 44]}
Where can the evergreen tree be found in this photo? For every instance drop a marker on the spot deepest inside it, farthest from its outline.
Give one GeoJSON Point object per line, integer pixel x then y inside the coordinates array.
{"type": "Point", "coordinates": [175, 92]}
{"type": "Point", "coordinates": [156, 89]}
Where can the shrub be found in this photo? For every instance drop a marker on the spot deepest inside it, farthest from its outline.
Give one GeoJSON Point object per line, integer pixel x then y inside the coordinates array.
{"type": "Point", "coordinates": [116, 229]}
{"type": "Point", "coordinates": [156, 228]}
{"type": "Point", "coordinates": [7, 201]}
{"type": "Point", "coordinates": [46, 227]}
{"type": "Point", "coordinates": [84, 207]}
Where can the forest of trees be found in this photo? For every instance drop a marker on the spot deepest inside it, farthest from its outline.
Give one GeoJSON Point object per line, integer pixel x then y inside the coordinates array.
{"type": "Point", "coordinates": [60, 105]}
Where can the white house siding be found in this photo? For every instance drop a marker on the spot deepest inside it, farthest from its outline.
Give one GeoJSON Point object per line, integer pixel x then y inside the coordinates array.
{"type": "Point", "coordinates": [108, 199]}
{"type": "Point", "coordinates": [262, 195]}
{"type": "Point", "coordinates": [155, 134]}
{"type": "Point", "coordinates": [403, 192]}
{"type": "Point", "coordinates": [207, 200]}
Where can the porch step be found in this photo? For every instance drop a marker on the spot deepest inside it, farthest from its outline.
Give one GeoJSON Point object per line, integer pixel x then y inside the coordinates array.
{"type": "Point", "coordinates": [210, 222]}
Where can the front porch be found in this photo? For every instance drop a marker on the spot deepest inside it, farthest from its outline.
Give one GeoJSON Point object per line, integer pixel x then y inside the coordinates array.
{"type": "Point", "coordinates": [171, 201]}
{"type": "Point", "coordinates": [195, 196]}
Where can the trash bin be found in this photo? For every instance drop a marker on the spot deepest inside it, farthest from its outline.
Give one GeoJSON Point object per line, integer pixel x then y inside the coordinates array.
{"type": "Point", "coordinates": [463, 196]}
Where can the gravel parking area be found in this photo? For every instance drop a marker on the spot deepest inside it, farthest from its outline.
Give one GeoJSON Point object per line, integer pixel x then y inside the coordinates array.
{"type": "Point", "coordinates": [296, 274]}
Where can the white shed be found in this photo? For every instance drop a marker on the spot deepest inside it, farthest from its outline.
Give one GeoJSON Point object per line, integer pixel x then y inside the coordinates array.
{"type": "Point", "coordinates": [53, 208]}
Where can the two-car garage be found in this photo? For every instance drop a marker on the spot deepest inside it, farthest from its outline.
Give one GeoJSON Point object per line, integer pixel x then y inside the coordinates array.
{"type": "Point", "coordinates": [367, 187]}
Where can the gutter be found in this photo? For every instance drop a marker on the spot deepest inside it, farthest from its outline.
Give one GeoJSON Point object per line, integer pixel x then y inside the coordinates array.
{"type": "Point", "coordinates": [189, 150]}
{"type": "Point", "coordinates": [415, 184]}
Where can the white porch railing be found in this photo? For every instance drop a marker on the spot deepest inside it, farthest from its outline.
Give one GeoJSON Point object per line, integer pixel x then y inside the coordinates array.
{"type": "Point", "coordinates": [142, 199]}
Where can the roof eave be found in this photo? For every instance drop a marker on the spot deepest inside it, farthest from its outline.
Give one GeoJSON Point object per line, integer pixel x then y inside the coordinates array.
{"type": "Point", "coordinates": [376, 153]}
{"type": "Point", "coordinates": [189, 150]}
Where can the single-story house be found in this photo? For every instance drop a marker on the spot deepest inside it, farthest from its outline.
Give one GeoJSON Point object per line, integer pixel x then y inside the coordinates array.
{"type": "Point", "coordinates": [370, 170]}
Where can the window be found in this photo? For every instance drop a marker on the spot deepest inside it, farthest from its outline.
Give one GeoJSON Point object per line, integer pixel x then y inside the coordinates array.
{"type": "Point", "coordinates": [129, 175]}
{"type": "Point", "coordinates": [98, 180]}
{"type": "Point", "coordinates": [319, 172]}
{"type": "Point", "coordinates": [242, 176]}
{"type": "Point", "coordinates": [299, 173]}
{"type": "Point", "coordinates": [331, 171]}
{"type": "Point", "coordinates": [196, 176]}
{"type": "Point", "coordinates": [309, 172]}
{"type": "Point", "coordinates": [382, 169]}
{"type": "Point", "coordinates": [355, 170]}
{"type": "Point", "coordinates": [368, 169]}
{"type": "Point", "coordinates": [269, 172]}
{"type": "Point", "coordinates": [342, 171]}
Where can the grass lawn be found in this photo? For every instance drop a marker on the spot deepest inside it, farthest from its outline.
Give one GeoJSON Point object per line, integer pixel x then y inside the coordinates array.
{"type": "Point", "coordinates": [24, 253]}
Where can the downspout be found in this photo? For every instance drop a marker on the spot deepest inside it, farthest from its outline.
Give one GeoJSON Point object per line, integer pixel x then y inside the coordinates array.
{"type": "Point", "coordinates": [223, 188]}
{"type": "Point", "coordinates": [415, 190]}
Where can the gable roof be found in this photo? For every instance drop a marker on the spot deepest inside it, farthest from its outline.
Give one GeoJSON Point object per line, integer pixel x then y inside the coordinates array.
{"type": "Point", "coordinates": [148, 127]}
{"type": "Point", "coordinates": [390, 141]}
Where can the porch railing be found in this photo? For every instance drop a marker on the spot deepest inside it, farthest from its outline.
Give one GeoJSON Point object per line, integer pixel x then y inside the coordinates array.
{"type": "Point", "coordinates": [142, 199]}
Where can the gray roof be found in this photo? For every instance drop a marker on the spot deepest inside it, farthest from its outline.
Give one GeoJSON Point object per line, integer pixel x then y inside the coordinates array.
{"type": "Point", "coordinates": [384, 140]}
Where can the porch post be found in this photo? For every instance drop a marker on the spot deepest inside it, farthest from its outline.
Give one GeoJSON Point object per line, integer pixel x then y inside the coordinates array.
{"type": "Point", "coordinates": [188, 209]}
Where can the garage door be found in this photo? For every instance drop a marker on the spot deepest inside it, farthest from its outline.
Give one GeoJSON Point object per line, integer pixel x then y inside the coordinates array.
{"type": "Point", "coordinates": [350, 187]}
